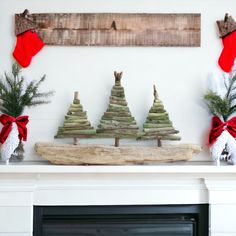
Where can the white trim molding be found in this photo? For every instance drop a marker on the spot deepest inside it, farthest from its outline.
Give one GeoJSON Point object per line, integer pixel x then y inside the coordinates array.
{"type": "Point", "coordinates": [22, 186]}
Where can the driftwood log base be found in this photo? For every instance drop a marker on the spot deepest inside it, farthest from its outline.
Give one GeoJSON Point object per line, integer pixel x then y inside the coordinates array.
{"type": "Point", "coordinates": [66, 154]}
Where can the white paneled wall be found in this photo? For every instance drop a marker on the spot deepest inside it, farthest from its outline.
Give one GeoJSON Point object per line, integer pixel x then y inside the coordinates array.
{"type": "Point", "coordinates": [16, 210]}
{"type": "Point", "coordinates": [179, 73]}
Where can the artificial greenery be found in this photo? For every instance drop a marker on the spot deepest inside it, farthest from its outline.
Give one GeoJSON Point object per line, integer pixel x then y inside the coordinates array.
{"type": "Point", "coordinates": [226, 106]}
{"type": "Point", "coordinates": [16, 93]}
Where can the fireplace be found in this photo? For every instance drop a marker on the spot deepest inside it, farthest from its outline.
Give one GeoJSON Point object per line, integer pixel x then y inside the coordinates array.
{"type": "Point", "coordinates": [156, 196]}
{"type": "Point", "coordinates": [148, 220]}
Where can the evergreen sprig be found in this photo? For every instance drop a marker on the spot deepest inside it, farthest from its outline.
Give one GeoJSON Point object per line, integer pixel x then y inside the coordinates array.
{"type": "Point", "coordinates": [226, 106]}
{"type": "Point", "coordinates": [15, 94]}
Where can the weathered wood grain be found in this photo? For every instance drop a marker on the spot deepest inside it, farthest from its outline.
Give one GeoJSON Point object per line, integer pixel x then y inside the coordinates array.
{"type": "Point", "coordinates": [118, 29]}
{"type": "Point", "coordinates": [83, 154]}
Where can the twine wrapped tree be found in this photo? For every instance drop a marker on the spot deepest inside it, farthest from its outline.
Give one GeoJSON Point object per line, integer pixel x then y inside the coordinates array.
{"type": "Point", "coordinates": [117, 122]}
{"type": "Point", "coordinates": [158, 125]}
{"type": "Point", "coordinates": [76, 124]}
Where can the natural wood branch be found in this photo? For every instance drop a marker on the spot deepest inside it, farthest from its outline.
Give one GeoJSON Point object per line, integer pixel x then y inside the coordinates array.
{"type": "Point", "coordinates": [155, 93]}
{"type": "Point", "coordinates": [159, 144]}
{"type": "Point", "coordinates": [76, 95]}
{"type": "Point", "coordinates": [117, 142]}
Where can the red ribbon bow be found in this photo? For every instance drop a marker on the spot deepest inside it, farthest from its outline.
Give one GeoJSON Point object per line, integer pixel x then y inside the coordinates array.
{"type": "Point", "coordinates": [218, 126]}
{"type": "Point", "coordinates": [7, 121]}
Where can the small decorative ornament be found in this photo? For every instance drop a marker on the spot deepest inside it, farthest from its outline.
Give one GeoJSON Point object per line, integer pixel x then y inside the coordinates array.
{"type": "Point", "coordinates": [13, 131]}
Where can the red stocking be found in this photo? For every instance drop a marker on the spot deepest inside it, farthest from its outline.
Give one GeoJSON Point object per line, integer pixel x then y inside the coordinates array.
{"type": "Point", "coordinates": [28, 45]}
{"type": "Point", "coordinates": [228, 54]}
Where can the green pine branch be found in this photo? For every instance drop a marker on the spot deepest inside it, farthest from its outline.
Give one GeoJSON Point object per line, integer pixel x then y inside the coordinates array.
{"type": "Point", "coordinates": [226, 106]}
{"type": "Point", "coordinates": [231, 86]}
{"type": "Point", "coordinates": [16, 94]}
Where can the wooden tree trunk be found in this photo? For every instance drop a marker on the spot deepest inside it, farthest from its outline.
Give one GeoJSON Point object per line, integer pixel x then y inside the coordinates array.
{"type": "Point", "coordinates": [159, 144]}
{"type": "Point", "coordinates": [76, 141]}
{"type": "Point", "coordinates": [117, 142]}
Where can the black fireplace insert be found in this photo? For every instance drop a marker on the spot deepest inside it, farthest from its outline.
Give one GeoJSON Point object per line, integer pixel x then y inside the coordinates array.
{"type": "Point", "coordinates": [144, 220]}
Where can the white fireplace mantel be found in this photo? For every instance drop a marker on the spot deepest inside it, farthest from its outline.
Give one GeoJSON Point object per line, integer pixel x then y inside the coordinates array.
{"type": "Point", "coordinates": [24, 185]}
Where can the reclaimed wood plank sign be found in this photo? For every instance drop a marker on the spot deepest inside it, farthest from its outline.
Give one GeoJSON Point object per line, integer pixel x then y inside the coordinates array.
{"type": "Point", "coordinates": [118, 29]}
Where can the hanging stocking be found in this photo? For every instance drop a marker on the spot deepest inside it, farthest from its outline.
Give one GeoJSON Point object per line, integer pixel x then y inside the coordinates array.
{"type": "Point", "coordinates": [228, 54]}
{"type": "Point", "coordinates": [28, 43]}
{"type": "Point", "coordinates": [227, 29]}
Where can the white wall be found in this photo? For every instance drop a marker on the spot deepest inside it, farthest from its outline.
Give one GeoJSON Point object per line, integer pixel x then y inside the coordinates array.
{"type": "Point", "coordinates": [179, 73]}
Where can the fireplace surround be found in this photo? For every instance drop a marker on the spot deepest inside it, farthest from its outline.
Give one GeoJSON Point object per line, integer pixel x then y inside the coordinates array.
{"type": "Point", "coordinates": [27, 185]}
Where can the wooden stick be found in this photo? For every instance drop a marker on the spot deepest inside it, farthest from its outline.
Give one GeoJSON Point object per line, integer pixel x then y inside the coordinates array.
{"type": "Point", "coordinates": [76, 95]}
{"type": "Point", "coordinates": [117, 142]}
{"type": "Point", "coordinates": [159, 144]}
{"type": "Point", "coordinates": [155, 92]}
{"type": "Point", "coordinates": [76, 141]}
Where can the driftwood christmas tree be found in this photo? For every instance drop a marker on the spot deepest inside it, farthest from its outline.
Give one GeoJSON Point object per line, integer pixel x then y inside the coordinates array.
{"type": "Point", "coordinates": [76, 124]}
{"type": "Point", "coordinates": [117, 122]}
{"type": "Point", "coordinates": [158, 125]}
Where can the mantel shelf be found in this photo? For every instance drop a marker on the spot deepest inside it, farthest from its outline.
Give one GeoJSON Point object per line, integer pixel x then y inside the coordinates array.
{"type": "Point", "coordinates": [204, 168]}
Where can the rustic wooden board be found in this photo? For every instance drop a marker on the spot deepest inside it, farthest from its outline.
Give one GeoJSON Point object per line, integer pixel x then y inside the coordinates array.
{"type": "Point", "coordinates": [108, 155]}
{"type": "Point", "coordinates": [119, 29]}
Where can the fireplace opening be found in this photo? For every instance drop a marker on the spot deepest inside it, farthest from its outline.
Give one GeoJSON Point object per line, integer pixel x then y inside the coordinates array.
{"type": "Point", "coordinates": [148, 220]}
